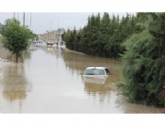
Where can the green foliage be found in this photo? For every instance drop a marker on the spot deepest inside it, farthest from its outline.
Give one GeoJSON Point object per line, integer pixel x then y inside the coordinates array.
{"type": "Point", "coordinates": [144, 62]}
{"type": "Point", "coordinates": [15, 37]}
{"type": "Point", "coordinates": [102, 36]}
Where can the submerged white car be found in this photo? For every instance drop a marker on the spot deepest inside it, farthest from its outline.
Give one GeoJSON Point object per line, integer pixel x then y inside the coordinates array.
{"type": "Point", "coordinates": [96, 71]}
{"type": "Point", "coordinates": [96, 74]}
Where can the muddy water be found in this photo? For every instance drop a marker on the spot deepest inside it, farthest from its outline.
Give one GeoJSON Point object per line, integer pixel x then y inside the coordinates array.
{"type": "Point", "coordinates": [50, 81]}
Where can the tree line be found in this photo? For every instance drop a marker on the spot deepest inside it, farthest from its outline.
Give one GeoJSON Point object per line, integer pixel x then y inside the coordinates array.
{"type": "Point", "coordinates": [138, 40]}
{"type": "Point", "coordinates": [101, 36]}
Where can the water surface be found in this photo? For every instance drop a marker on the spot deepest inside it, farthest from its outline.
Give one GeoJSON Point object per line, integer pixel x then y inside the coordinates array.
{"type": "Point", "coordinates": [50, 81]}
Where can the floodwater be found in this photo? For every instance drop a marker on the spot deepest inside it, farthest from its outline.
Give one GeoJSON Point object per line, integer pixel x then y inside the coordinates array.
{"type": "Point", "coordinates": [50, 81]}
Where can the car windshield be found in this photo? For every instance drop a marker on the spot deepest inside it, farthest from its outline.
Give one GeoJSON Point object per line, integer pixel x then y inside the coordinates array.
{"type": "Point", "coordinates": [94, 72]}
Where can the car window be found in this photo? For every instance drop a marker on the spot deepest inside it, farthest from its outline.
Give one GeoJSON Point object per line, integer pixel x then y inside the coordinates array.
{"type": "Point", "coordinates": [101, 72]}
{"type": "Point", "coordinates": [94, 72]}
{"type": "Point", "coordinates": [87, 72]}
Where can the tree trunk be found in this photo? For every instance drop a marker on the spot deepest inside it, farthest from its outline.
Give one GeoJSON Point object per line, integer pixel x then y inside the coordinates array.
{"type": "Point", "coordinates": [16, 58]}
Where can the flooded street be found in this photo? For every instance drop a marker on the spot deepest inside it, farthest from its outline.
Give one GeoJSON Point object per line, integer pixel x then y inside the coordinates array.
{"type": "Point", "coordinates": [50, 81]}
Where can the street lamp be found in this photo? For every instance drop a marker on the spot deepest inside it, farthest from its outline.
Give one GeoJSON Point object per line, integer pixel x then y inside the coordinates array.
{"type": "Point", "coordinates": [50, 26]}
{"type": "Point", "coordinates": [23, 18]}
{"type": "Point", "coordinates": [50, 31]}
{"type": "Point", "coordinates": [58, 24]}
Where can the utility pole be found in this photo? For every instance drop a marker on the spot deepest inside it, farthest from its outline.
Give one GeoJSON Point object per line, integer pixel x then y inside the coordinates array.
{"type": "Point", "coordinates": [50, 31]}
{"type": "Point", "coordinates": [30, 19]}
{"type": "Point", "coordinates": [23, 32]}
{"type": "Point", "coordinates": [23, 18]}
{"type": "Point", "coordinates": [50, 26]}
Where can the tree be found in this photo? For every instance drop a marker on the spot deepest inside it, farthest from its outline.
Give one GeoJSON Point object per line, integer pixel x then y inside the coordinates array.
{"type": "Point", "coordinates": [144, 62]}
{"type": "Point", "coordinates": [16, 38]}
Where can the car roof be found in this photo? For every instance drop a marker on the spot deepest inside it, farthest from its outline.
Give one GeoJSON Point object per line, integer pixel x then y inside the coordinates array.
{"type": "Point", "coordinates": [96, 67]}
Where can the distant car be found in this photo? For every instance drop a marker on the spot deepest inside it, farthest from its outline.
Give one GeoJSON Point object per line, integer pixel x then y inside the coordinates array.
{"type": "Point", "coordinates": [40, 41]}
{"type": "Point", "coordinates": [49, 43]}
{"type": "Point", "coordinates": [96, 74]}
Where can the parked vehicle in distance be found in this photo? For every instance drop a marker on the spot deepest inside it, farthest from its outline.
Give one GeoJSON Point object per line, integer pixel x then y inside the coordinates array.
{"type": "Point", "coordinates": [96, 74]}
{"type": "Point", "coordinates": [50, 43]}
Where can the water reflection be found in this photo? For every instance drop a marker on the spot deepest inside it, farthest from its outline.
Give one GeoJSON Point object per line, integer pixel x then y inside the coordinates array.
{"type": "Point", "coordinates": [133, 108]}
{"type": "Point", "coordinates": [14, 81]}
{"type": "Point", "coordinates": [96, 88]}
{"type": "Point", "coordinates": [4, 53]}
{"type": "Point", "coordinates": [53, 50]}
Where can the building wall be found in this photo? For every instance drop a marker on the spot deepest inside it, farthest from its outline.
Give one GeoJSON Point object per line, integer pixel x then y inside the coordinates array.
{"type": "Point", "coordinates": [51, 36]}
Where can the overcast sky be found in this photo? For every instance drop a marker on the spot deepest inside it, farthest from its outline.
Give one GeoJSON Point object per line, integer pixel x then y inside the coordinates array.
{"type": "Point", "coordinates": [48, 21]}
{"type": "Point", "coordinates": [50, 14]}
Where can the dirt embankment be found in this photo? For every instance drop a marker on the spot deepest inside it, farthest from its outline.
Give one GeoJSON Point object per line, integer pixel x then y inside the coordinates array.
{"type": "Point", "coordinates": [68, 50]}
